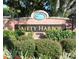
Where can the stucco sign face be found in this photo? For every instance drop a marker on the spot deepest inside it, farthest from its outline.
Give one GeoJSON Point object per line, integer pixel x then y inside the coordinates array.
{"type": "Point", "coordinates": [40, 15]}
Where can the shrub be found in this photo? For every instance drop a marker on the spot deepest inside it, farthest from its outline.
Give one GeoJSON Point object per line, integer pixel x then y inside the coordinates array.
{"type": "Point", "coordinates": [30, 35]}
{"type": "Point", "coordinates": [74, 35]}
{"type": "Point", "coordinates": [59, 34]}
{"type": "Point", "coordinates": [26, 37]}
{"type": "Point", "coordinates": [23, 37]}
{"type": "Point", "coordinates": [71, 55]}
{"type": "Point", "coordinates": [7, 42]}
{"type": "Point", "coordinates": [54, 34]}
{"type": "Point", "coordinates": [67, 34]}
{"type": "Point", "coordinates": [10, 34]}
{"type": "Point", "coordinates": [68, 45]}
{"type": "Point", "coordinates": [25, 46]}
{"type": "Point", "coordinates": [19, 33]}
{"type": "Point", "coordinates": [8, 37]}
{"type": "Point", "coordinates": [44, 57]}
{"type": "Point", "coordinates": [49, 48]}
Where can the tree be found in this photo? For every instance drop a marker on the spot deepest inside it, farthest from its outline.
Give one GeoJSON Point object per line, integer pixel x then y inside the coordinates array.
{"type": "Point", "coordinates": [6, 10]}
{"type": "Point", "coordinates": [62, 8]}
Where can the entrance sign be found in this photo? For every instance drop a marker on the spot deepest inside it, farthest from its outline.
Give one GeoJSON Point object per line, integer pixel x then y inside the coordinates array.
{"type": "Point", "coordinates": [39, 21]}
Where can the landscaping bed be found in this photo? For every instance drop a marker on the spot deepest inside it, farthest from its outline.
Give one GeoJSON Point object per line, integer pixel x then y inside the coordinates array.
{"type": "Point", "coordinates": [58, 44]}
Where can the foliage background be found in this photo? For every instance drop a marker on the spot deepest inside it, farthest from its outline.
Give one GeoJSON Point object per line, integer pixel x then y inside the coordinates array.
{"type": "Point", "coordinates": [22, 8]}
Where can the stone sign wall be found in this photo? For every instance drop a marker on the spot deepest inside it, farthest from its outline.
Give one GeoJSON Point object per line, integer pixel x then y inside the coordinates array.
{"type": "Point", "coordinates": [34, 25]}
{"type": "Point", "coordinates": [39, 21]}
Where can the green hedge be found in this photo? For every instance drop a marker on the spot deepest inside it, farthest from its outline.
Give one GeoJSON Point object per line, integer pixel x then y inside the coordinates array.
{"type": "Point", "coordinates": [68, 45]}
{"type": "Point", "coordinates": [13, 35]}
{"type": "Point", "coordinates": [49, 48]}
{"type": "Point", "coordinates": [19, 33]}
{"type": "Point", "coordinates": [37, 48]}
{"type": "Point", "coordinates": [8, 37]}
{"type": "Point", "coordinates": [25, 46]}
{"type": "Point", "coordinates": [25, 37]}
{"type": "Point", "coordinates": [59, 34]}
{"type": "Point", "coordinates": [10, 34]}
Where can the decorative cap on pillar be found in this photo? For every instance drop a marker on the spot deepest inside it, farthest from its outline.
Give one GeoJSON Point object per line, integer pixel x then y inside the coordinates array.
{"type": "Point", "coordinates": [39, 15]}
